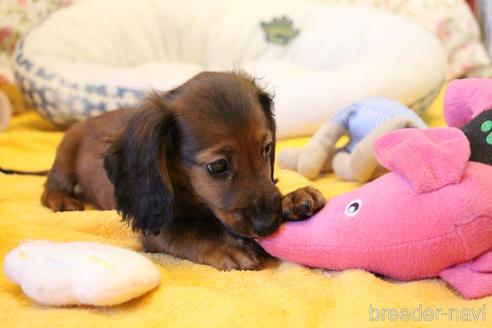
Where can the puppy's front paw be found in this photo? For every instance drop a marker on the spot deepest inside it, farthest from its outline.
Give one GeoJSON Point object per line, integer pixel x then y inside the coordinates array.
{"type": "Point", "coordinates": [302, 204]}
{"type": "Point", "coordinates": [238, 257]}
{"type": "Point", "coordinates": [59, 202]}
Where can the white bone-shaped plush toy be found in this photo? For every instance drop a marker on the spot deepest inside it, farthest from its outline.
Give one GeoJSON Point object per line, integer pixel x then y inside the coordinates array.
{"type": "Point", "coordinates": [80, 273]}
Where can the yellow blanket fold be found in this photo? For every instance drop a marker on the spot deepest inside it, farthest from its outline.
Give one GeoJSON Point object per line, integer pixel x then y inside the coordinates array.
{"type": "Point", "coordinates": [195, 295]}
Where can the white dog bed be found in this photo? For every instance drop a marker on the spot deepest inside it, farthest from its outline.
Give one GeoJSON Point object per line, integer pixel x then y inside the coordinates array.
{"type": "Point", "coordinates": [97, 56]}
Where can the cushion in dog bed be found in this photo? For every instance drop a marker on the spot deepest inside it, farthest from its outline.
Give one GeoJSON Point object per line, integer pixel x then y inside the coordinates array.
{"type": "Point", "coordinates": [97, 56]}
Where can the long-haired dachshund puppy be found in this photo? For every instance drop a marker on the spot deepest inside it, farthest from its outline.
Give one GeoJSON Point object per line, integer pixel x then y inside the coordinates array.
{"type": "Point", "coordinates": [191, 169]}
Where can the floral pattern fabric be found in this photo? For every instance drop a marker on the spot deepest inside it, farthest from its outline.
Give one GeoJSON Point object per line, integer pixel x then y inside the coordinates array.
{"type": "Point", "coordinates": [450, 20]}
{"type": "Point", "coordinates": [16, 18]}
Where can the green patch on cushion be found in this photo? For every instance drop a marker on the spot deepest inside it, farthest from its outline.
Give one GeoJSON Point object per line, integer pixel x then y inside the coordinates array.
{"type": "Point", "coordinates": [279, 31]}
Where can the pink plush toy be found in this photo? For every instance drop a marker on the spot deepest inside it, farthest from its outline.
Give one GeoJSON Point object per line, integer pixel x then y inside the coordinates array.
{"type": "Point", "coordinates": [430, 216]}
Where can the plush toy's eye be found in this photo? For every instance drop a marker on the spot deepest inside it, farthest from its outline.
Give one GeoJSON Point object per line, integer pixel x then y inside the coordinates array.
{"type": "Point", "coordinates": [353, 207]}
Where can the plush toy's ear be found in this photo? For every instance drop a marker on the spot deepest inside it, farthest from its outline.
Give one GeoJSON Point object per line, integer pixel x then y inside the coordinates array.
{"type": "Point", "coordinates": [429, 158]}
{"type": "Point", "coordinates": [465, 99]}
{"type": "Point", "coordinates": [472, 279]}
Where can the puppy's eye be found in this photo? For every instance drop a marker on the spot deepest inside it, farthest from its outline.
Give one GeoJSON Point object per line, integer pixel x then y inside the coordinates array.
{"type": "Point", "coordinates": [267, 150]}
{"type": "Point", "coordinates": [353, 208]}
{"type": "Point", "coordinates": [217, 166]}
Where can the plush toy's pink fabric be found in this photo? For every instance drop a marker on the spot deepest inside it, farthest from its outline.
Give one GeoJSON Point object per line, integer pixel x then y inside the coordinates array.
{"type": "Point", "coordinates": [472, 279]}
{"type": "Point", "coordinates": [423, 156]}
{"type": "Point", "coordinates": [483, 263]}
{"type": "Point", "coordinates": [431, 213]}
{"type": "Point", "coordinates": [465, 99]}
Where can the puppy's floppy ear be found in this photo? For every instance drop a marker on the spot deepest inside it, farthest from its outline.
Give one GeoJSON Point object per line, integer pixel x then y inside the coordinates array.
{"type": "Point", "coordinates": [266, 102]}
{"type": "Point", "coordinates": [137, 165]}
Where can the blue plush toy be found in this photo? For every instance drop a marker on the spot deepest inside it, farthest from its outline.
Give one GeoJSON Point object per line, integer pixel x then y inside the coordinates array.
{"type": "Point", "coordinates": [363, 122]}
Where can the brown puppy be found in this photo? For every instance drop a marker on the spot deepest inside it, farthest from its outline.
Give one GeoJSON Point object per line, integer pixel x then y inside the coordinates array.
{"type": "Point", "coordinates": [192, 169]}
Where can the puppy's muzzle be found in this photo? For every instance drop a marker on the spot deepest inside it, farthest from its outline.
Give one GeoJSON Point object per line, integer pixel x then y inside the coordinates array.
{"type": "Point", "coordinates": [266, 213]}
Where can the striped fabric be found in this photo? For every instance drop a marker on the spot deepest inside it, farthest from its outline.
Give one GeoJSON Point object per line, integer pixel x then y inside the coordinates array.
{"type": "Point", "coordinates": [362, 117]}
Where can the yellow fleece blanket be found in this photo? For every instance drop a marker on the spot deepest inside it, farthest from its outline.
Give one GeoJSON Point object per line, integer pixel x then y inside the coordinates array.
{"type": "Point", "coordinates": [195, 295]}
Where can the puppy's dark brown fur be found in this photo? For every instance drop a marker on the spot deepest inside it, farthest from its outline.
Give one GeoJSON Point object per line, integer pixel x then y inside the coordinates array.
{"type": "Point", "coordinates": [191, 169]}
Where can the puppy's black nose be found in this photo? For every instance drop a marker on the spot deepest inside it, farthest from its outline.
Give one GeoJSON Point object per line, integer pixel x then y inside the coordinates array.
{"type": "Point", "coordinates": [265, 226]}
{"type": "Point", "coordinates": [266, 212]}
